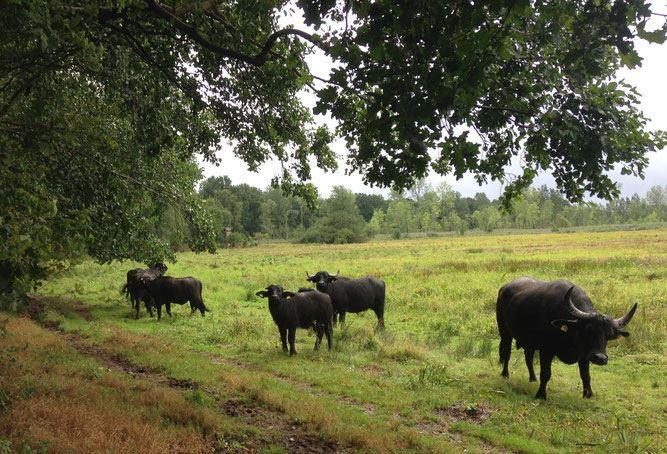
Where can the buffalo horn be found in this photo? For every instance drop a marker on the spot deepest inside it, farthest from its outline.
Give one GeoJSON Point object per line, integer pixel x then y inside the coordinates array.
{"type": "Point", "coordinates": [626, 318]}
{"type": "Point", "coordinates": [310, 276]}
{"type": "Point", "coordinates": [337, 273]}
{"type": "Point", "coordinates": [573, 309]}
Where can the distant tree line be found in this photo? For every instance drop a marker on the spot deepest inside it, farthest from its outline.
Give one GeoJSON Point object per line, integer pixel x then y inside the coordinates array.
{"type": "Point", "coordinates": [344, 217]}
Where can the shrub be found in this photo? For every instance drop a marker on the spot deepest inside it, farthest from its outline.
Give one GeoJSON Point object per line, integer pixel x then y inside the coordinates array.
{"type": "Point", "coordinates": [348, 236]}
{"type": "Point", "coordinates": [235, 239]}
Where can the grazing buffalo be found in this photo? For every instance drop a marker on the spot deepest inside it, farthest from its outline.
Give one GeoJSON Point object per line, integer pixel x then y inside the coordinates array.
{"type": "Point", "coordinates": [303, 310]}
{"type": "Point", "coordinates": [558, 319]}
{"type": "Point", "coordinates": [134, 288]}
{"type": "Point", "coordinates": [351, 295]}
{"type": "Point", "coordinates": [167, 290]}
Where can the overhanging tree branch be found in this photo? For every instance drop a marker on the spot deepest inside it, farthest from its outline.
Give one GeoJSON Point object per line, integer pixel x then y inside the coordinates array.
{"type": "Point", "coordinates": [257, 60]}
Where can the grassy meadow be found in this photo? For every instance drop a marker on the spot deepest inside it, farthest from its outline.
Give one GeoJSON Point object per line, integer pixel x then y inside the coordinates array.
{"type": "Point", "coordinates": [429, 383]}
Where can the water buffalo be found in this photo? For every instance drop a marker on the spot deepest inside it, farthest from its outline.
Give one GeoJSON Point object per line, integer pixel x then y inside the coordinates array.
{"type": "Point", "coordinates": [303, 310]}
{"type": "Point", "coordinates": [558, 319]}
{"type": "Point", "coordinates": [167, 290]}
{"type": "Point", "coordinates": [134, 288]}
{"type": "Point", "coordinates": [351, 295]}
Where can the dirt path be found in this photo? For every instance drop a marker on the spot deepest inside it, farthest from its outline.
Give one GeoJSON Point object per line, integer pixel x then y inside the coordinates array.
{"type": "Point", "coordinates": [280, 430]}
{"type": "Point", "coordinates": [291, 437]}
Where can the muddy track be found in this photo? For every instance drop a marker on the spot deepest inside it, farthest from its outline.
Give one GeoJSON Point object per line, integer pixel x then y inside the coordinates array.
{"type": "Point", "coordinates": [281, 430]}
{"type": "Point", "coordinates": [284, 433]}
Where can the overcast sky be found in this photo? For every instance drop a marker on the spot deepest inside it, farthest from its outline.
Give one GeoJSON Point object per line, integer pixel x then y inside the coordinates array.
{"type": "Point", "coordinates": [649, 80]}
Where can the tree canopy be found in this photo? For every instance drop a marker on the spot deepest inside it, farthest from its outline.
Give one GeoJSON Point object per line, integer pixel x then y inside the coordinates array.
{"type": "Point", "coordinates": [105, 106]}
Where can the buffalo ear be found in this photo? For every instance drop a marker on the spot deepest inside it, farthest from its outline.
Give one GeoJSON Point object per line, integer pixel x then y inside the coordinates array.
{"type": "Point", "coordinates": [564, 325]}
{"type": "Point", "coordinates": [262, 294]}
{"type": "Point", "coordinates": [332, 278]}
{"type": "Point", "coordinates": [622, 333]}
{"type": "Point", "coordinates": [288, 294]}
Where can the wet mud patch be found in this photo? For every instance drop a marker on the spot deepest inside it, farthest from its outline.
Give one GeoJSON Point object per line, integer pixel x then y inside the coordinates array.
{"type": "Point", "coordinates": [461, 411]}
{"type": "Point", "coordinates": [278, 430]}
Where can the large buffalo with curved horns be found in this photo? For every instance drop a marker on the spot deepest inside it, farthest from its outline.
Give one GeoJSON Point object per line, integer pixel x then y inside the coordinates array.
{"type": "Point", "coordinates": [558, 319]}
{"type": "Point", "coordinates": [351, 295]}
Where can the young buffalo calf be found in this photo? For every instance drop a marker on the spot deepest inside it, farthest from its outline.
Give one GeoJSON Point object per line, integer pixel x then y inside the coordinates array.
{"type": "Point", "coordinates": [291, 310]}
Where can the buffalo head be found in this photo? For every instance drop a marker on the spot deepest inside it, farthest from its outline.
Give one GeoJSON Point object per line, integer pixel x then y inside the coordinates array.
{"type": "Point", "coordinates": [160, 267]}
{"type": "Point", "coordinates": [275, 293]}
{"type": "Point", "coordinates": [592, 329]}
{"type": "Point", "coordinates": [322, 280]}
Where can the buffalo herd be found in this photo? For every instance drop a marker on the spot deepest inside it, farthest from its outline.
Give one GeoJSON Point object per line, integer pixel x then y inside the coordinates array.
{"type": "Point", "coordinates": [556, 318]}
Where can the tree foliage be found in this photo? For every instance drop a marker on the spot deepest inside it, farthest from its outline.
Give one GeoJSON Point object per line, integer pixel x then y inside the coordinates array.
{"type": "Point", "coordinates": [482, 83]}
{"type": "Point", "coordinates": [104, 107]}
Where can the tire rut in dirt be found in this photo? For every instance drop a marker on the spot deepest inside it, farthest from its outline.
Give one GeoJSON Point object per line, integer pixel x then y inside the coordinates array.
{"type": "Point", "coordinates": [285, 433]}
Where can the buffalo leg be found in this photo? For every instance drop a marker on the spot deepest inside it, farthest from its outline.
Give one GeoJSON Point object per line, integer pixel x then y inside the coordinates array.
{"type": "Point", "coordinates": [148, 303]}
{"type": "Point", "coordinates": [545, 374]}
{"type": "Point", "coordinates": [529, 354]}
{"type": "Point", "coordinates": [159, 312]}
{"type": "Point", "coordinates": [167, 307]}
{"type": "Point", "coordinates": [342, 318]}
{"type": "Point", "coordinates": [290, 336]}
{"type": "Point", "coordinates": [283, 338]}
{"type": "Point", "coordinates": [319, 332]}
{"type": "Point", "coordinates": [505, 351]}
{"type": "Point", "coordinates": [379, 312]}
{"type": "Point", "coordinates": [335, 318]}
{"type": "Point", "coordinates": [328, 330]}
{"type": "Point", "coordinates": [585, 378]}
{"type": "Point", "coordinates": [137, 308]}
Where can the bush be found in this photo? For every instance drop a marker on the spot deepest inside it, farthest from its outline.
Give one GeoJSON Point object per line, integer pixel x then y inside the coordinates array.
{"type": "Point", "coordinates": [313, 235]}
{"type": "Point", "coordinates": [344, 236]}
{"type": "Point", "coordinates": [235, 239]}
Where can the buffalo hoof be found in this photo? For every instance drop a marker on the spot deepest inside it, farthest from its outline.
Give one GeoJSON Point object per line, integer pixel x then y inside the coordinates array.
{"type": "Point", "coordinates": [541, 395]}
{"type": "Point", "coordinates": [588, 393]}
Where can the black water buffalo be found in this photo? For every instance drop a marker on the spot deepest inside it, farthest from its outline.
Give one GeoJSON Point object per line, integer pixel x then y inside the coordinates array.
{"type": "Point", "coordinates": [351, 295]}
{"type": "Point", "coordinates": [136, 290]}
{"type": "Point", "coordinates": [167, 290]}
{"type": "Point", "coordinates": [299, 310]}
{"type": "Point", "coordinates": [558, 319]}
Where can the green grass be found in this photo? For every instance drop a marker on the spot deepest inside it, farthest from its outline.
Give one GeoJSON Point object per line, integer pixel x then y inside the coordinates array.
{"type": "Point", "coordinates": [431, 381]}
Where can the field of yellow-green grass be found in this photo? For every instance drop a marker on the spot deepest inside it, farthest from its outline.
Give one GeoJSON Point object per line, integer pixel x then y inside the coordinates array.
{"type": "Point", "coordinates": [78, 373]}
